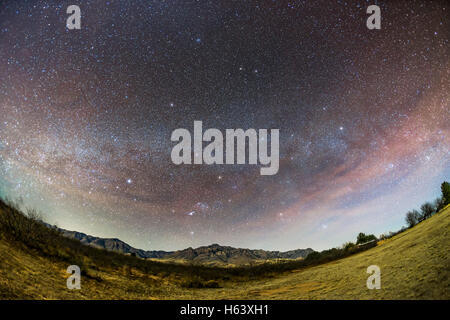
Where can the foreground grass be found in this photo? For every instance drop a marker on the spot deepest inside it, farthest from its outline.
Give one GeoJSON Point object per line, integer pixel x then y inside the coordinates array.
{"type": "Point", "coordinates": [414, 265]}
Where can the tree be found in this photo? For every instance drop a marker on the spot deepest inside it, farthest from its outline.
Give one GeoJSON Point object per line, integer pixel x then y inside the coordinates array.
{"type": "Point", "coordinates": [363, 238]}
{"type": "Point", "coordinates": [427, 209]}
{"type": "Point", "coordinates": [445, 189]}
{"type": "Point", "coordinates": [412, 218]}
{"type": "Point", "coordinates": [438, 204]}
{"type": "Point", "coordinates": [348, 245]}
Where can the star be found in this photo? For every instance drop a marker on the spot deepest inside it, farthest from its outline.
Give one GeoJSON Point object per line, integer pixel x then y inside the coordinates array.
{"type": "Point", "coordinates": [87, 118]}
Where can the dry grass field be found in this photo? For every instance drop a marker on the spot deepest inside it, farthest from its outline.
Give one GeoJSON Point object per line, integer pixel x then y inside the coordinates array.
{"type": "Point", "coordinates": [414, 264]}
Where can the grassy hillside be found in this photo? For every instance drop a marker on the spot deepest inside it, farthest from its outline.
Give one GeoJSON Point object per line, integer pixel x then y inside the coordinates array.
{"type": "Point", "coordinates": [414, 265]}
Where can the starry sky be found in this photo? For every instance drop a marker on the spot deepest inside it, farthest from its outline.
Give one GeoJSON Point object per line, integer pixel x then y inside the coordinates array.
{"type": "Point", "coordinates": [86, 117]}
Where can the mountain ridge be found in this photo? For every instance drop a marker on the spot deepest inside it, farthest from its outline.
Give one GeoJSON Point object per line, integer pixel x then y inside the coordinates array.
{"type": "Point", "coordinates": [211, 254]}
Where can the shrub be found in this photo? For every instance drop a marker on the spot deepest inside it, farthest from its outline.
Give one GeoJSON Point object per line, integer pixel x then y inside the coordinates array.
{"type": "Point", "coordinates": [212, 284]}
{"type": "Point", "coordinates": [197, 283]}
{"type": "Point", "coordinates": [348, 245]}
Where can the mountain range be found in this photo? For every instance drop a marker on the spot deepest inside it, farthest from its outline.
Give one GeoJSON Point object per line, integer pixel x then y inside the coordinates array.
{"type": "Point", "coordinates": [210, 255]}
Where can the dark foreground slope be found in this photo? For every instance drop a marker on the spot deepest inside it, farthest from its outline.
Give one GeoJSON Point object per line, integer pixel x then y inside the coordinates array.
{"type": "Point", "coordinates": [414, 264]}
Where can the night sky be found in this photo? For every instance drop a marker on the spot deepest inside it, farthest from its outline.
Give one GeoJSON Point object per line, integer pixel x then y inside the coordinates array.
{"type": "Point", "coordinates": [86, 117]}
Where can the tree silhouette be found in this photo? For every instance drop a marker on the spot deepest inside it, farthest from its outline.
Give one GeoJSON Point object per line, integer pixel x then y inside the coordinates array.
{"type": "Point", "coordinates": [445, 188]}
{"type": "Point", "coordinates": [427, 209]}
{"type": "Point", "coordinates": [412, 218]}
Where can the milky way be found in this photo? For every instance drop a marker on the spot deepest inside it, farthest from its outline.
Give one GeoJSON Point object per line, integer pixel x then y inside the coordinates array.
{"type": "Point", "coordinates": [86, 117]}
